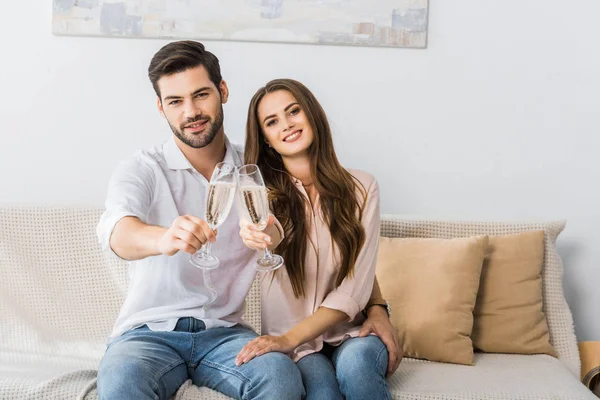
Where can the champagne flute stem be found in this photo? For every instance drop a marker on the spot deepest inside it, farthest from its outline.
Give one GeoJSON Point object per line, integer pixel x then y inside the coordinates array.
{"type": "Point", "coordinates": [267, 255]}
{"type": "Point", "coordinates": [209, 284]}
{"type": "Point", "coordinates": [207, 248]}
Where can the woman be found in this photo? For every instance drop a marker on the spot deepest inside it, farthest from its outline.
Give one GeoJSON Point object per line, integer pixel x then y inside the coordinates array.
{"type": "Point", "coordinates": [311, 308]}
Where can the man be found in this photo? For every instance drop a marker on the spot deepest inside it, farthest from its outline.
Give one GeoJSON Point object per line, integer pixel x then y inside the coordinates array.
{"type": "Point", "coordinates": [167, 330]}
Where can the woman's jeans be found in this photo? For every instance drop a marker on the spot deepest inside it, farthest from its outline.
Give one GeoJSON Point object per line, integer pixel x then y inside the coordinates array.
{"type": "Point", "coordinates": [354, 370]}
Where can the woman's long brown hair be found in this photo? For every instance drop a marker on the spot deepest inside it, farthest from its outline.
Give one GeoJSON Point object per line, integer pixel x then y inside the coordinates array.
{"type": "Point", "coordinates": [340, 207]}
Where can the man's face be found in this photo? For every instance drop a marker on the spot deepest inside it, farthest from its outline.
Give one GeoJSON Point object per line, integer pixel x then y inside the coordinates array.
{"type": "Point", "coordinates": [192, 105]}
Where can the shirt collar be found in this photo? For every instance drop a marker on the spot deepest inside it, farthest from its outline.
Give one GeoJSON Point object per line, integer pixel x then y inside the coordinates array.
{"type": "Point", "coordinates": [231, 154]}
{"type": "Point", "coordinates": [174, 156]}
{"type": "Point", "coordinates": [176, 159]}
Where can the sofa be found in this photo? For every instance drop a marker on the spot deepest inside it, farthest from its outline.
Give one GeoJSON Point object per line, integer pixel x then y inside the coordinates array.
{"type": "Point", "coordinates": [60, 295]}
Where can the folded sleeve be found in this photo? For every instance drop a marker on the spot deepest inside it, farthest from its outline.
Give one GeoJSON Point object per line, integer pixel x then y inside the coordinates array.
{"type": "Point", "coordinates": [130, 193]}
{"type": "Point", "coordinates": [354, 292]}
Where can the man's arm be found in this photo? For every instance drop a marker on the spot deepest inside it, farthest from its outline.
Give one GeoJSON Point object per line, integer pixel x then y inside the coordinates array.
{"type": "Point", "coordinates": [132, 239]}
{"type": "Point", "coordinates": [378, 322]}
{"type": "Point", "coordinates": [122, 227]}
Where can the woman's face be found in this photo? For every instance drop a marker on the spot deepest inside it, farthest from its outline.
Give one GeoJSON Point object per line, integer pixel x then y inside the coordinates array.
{"type": "Point", "coordinates": [284, 124]}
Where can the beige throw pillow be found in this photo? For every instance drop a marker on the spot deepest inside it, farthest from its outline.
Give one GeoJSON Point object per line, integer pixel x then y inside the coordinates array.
{"type": "Point", "coordinates": [431, 285]}
{"type": "Point", "coordinates": [508, 314]}
{"type": "Point", "coordinates": [556, 309]}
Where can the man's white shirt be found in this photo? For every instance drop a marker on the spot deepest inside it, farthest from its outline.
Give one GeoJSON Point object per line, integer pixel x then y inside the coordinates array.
{"type": "Point", "coordinates": [157, 186]}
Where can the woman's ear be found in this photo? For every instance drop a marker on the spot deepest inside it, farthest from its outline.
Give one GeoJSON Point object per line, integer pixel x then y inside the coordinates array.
{"type": "Point", "coordinates": [267, 143]}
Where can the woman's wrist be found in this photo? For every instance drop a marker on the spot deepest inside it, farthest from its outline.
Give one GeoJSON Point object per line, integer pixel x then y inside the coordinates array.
{"type": "Point", "coordinates": [292, 339]}
{"type": "Point", "coordinates": [377, 310]}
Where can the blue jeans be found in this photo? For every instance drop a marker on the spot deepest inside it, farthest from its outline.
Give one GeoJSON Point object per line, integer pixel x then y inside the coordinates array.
{"type": "Point", "coordinates": [146, 364]}
{"type": "Point", "coordinates": [354, 370]}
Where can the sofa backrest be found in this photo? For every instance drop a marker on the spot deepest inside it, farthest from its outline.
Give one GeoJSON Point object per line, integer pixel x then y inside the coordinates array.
{"type": "Point", "coordinates": [60, 293]}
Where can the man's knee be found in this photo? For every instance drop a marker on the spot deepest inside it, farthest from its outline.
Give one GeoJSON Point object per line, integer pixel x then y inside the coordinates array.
{"type": "Point", "coordinates": [119, 377]}
{"type": "Point", "coordinates": [127, 373]}
{"type": "Point", "coordinates": [278, 378]}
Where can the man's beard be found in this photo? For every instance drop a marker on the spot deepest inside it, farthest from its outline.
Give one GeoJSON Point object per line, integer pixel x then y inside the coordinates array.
{"type": "Point", "coordinates": [200, 140]}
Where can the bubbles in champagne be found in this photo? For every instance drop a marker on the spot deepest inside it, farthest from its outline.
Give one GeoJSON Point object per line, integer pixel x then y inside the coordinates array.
{"type": "Point", "coordinates": [218, 202]}
{"type": "Point", "coordinates": [256, 205]}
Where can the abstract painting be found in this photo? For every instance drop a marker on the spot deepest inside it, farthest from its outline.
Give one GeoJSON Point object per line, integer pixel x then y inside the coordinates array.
{"type": "Point", "coordinates": [384, 23]}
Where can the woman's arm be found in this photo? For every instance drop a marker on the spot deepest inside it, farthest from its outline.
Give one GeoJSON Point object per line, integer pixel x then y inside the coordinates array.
{"type": "Point", "coordinates": [352, 295]}
{"type": "Point", "coordinates": [376, 293]}
{"type": "Point", "coordinates": [378, 322]}
{"type": "Point", "coordinates": [315, 325]}
{"type": "Point", "coordinates": [309, 328]}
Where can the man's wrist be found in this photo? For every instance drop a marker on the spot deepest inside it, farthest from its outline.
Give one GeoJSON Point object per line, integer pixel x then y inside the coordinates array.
{"type": "Point", "coordinates": [157, 232]}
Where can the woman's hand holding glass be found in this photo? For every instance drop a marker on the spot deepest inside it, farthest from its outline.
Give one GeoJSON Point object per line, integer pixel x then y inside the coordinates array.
{"type": "Point", "coordinates": [256, 216]}
{"type": "Point", "coordinates": [255, 238]}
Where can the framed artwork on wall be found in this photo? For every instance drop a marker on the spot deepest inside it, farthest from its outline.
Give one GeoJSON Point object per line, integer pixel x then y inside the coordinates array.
{"type": "Point", "coordinates": [376, 23]}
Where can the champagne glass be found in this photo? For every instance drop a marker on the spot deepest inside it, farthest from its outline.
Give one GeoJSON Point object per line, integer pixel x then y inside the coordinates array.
{"type": "Point", "coordinates": [253, 195]}
{"type": "Point", "coordinates": [219, 198]}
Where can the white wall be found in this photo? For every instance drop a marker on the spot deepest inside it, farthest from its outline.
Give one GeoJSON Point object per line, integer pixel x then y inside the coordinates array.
{"type": "Point", "coordinates": [497, 119]}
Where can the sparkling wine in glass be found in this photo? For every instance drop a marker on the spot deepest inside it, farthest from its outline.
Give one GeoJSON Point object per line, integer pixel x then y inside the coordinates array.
{"type": "Point", "coordinates": [219, 199]}
{"type": "Point", "coordinates": [253, 196]}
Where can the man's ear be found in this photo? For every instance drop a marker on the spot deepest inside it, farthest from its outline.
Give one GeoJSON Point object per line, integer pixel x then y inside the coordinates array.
{"type": "Point", "coordinates": [159, 106]}
{"type": "Point", "coordinates": [224, 91]}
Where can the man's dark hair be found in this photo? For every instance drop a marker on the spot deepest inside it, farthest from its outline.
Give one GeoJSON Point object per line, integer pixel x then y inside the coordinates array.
{"type": "Point", "coordinates": [180, 56]}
